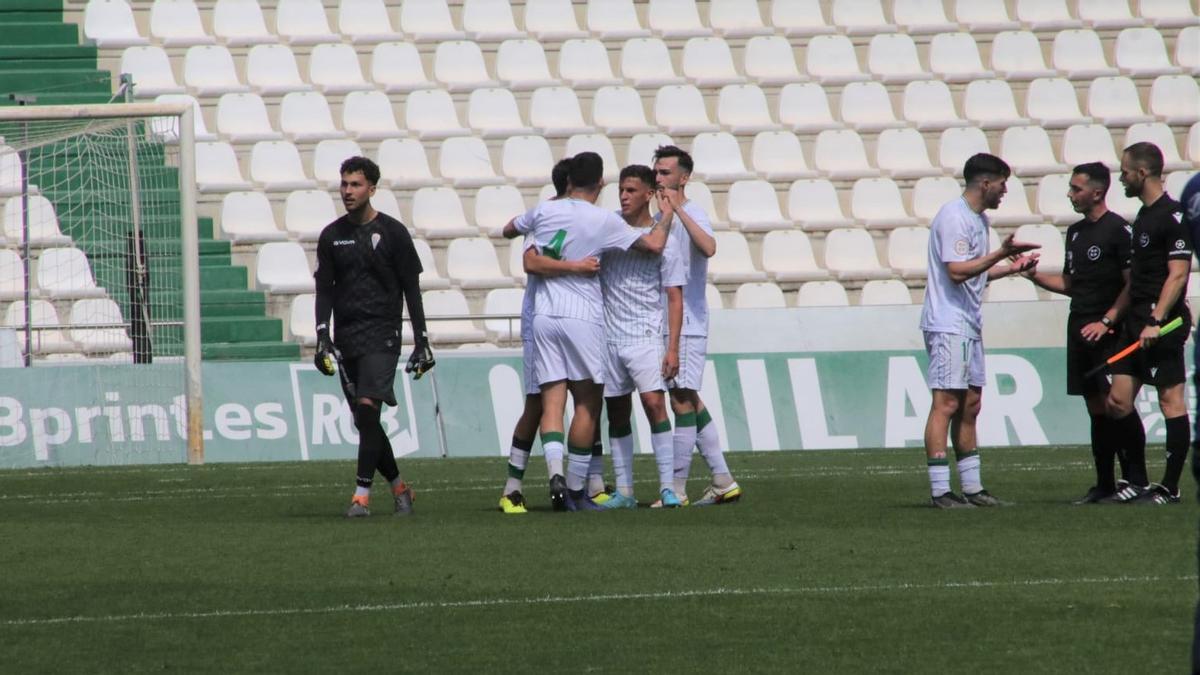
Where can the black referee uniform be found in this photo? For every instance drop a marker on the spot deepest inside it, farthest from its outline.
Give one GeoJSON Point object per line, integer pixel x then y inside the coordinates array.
{"type": "Point", "coordinates": [1097, 256]}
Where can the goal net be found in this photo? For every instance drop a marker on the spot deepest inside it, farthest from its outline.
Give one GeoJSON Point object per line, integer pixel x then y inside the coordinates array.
{"type": "Point", "coordinates": [99, 263]}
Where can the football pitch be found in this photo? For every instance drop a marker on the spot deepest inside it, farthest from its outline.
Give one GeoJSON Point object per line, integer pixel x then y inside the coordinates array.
{"type": "Point", "coordinates": [831, 562]}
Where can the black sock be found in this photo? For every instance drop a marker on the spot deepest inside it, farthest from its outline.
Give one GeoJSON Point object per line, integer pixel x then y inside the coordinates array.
{"type": "Point", "coordinates": [1133, 440]}
{"type": "Point", "coordinates": [1178, 435]}
{"type": "Point", "coordinates": [1102, 452]}
{"type": "Point", "coordinates": [366, 419]}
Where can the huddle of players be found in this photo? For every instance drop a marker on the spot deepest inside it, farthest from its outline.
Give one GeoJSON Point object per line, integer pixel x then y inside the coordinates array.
{"type": "Point", "coordinates": [615, 302]}
{"type": "Point", "coordinates": [1125, 282]}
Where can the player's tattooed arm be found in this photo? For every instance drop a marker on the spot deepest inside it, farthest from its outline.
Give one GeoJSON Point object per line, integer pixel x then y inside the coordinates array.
{"type": "Point", "coordinates": [654, 241]}
{"type": "Point", "coordinates": [542, 265]}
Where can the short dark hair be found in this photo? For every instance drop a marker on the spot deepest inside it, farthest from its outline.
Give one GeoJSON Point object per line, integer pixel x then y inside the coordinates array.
{"type": "Point", "coordinates": [983, 164]}
{"type": "Point", "coordinates": [685, 160]}
{"type": "Point", "coordinates": [560, 175]}
{"type": "Point", "coordinates": [369, 169]}
{"type": "Point", "coordinates": [1148, 156]}
{"type": "Point", "coordinates": [640, 172]}
{"type": "Point", "coordinates": [587, 168]}
{"type": "Point", "coordinates": [1096, 173]}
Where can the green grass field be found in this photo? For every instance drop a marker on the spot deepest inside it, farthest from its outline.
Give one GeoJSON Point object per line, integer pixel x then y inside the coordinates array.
{"type": "Point", "coordinates": [831, 563]}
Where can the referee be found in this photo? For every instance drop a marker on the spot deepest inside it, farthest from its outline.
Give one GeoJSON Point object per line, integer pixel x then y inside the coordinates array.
{"type": "Point", "coordinates": [1159, 267]}
{"type": "Point", "coordinates": [365, 263]}
{"type": "Point", "coordinates": [1096, 277]}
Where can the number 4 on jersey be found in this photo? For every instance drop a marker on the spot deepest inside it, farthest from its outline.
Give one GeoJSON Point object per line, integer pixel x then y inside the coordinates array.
{"type": "Point", "coordinates": [553, 249]}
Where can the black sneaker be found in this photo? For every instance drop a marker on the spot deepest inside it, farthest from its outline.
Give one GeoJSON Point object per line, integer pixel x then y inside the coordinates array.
{"type": "Point", "coordinates": [1126, 494]}
{"type": "Point", "coordinates": [1095, 495]}
{"type": "Point", "coordinates": [950, 501]}
{"type": "Point", "coordinates": [1157, 495]}
{"type": "Point", "coordinates": [558, 492]}
{"type": "Point", "coordinates": [985, 498]}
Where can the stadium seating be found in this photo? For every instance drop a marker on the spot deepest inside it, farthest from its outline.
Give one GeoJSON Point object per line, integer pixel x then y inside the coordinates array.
{"type": "Point", "coordinates": [805, 108]}
{"type": "Point", "coordinates": [150, 70]}
{"type": "Point", "coordinates": [841, 155]}
{"type": "Point", "coordinates": [614, 20]}
{"type": "Point", "coordinates": [303, 22]}
{"type": "Point", "coordinates": [503, 301]}
{"type": "Point", "coordinates": [521, 64]}
{"type": "Point", "coordinates": [901, 153]}
{"type": "Point", "coordinates": [369, 116]}
{"type": "Point", "coordinates": [787, 255]}
{"type": "Point", "coordinates": [957, 144]}
{"type": "Point", "coordinates": [1046, 15]}
{"type": "Point", "coordinates": [271, 69]}
{"type": "Point", "coordinates": [770, 60]}
{"type": "Point", "coordinates": [430, 278]}
{"type": "Point", "coordinates": [860, 17]}
{"type": "Point", "coordinates": [759, 295]}
{"type": "Point", "coordinates": [928, 106]}
{"type": "Point", "coordinates": [1027, 150]}
{"type": "Point", "coordinates": [552, 20]}
{"type": "Point", "coordinates": [526, 160]}
{"type": "Point", "coordinates": [1175, 99]}
{"type": "Point", "coordinates": [1051, 103]}
{"type": "Point", "coordinates": [617, 110]}
{"type": "Point", "coordinates": [242, 118]}
{"type": "Point", "coordinates": [918, 17]}
{"type": "Point", "coordinates": [822, 294]}
{"type": "Point", "coordinates": [555, 112]}
{"type": "Point", "coordinates": [647, 63]}
{"type": "Point", "coordinates": [12, 275]}
{"type": "Point", "coordinates": [931, 193]}
{"type": "Point", "coordinates": [885, 292]}
{"type": "Point", "coordinates": [990, 104]}
{"type": "Point", "coordinates": [954, 57]}
{"type": "Point", "coordinates": [712, 297]}
{"type": "Point", "coordinates": [831, 60]}
{"type": "Point", "coordinates": [92, 329]}
{"type": "Point", "coordinates": [208, 70]}
{"type": "Point", "coordinates": [307, 212]}
{"type": "Point", "coordinates": [239, 23]}
{"type": "Point", "coordinates": [1141, 52]}
{"type": "Point", "coordinates": [1079, 54]}
{"type": "Point", "coordinates": [43, 223]}
{"type": "Point", "coordinates": [431, 114]}
{"type": "Point", "coordinates": [679, 109]}
{"type": "Point", "coordinates": [275, 166]}
{"type": "Point", "coordinates": [732, 262]}
{"type": "Point", "coordinates": [1187, 49]}
{"type": "Point", "coordinates": [42, 313]}
{"type": "Point", "coordinates": [334, 69]}
{"type": "Point", "coordinates": [1088, 143]}
{"type": "Point", "coordinates": [282, 267]}
{"type": "Point", "coordinates": [1010, 289]}
{"type": "Point", "coordinates": [472, 263]}
{"type": "Point", "coordinates": [464, 161]}
{"type": "Point", "coordinates": [867, 107]}
{"type": "Point", "coordinates": [708, 62]}
{"type": "Point", "coordinates": [892, 57]}
{"type": "Point", "coordinates": [397, 67]}
{"type": "Point", "coordinates": [876, 203]}
{"type": "Point", "coordinates": [1052, 201]}
{"type": "Point", "coordinates": [1053, 249]}
{"type": "Point", "coordinates": [217, 168]}
{"type": "Point", "coordinates": [1160, 135]}
{"type": "Point", "coordinates": [584, 64]}
{"type": "Point", "coordinates": [754, 207]}
{"type": "Point", "coordinates": [1102, 14]}
{"type": "Point", "coordinates": [813, 204]}
{"type": "Point", "coordinates": [300, 319]}
{"type": "Point", "coordinates": [489, 20]}
{"type": "Point", "coordinates": [718, 158]}
{"type": "Point", "coordinates": [65, 273]}
{"type": "Point", "coordinates": [365, 22]}
{"type": "Point", "coordinates": [1017, 55]}
{"type": "Point", "coordinates": [495, 205]}
{"type": "Point", "coordinates": [799, 18]}
{"type": "Point", "coordinates": [428, 21]}
{"type": "Point", "coordinates": [984, 16]}
{"type": "Point", "coordinates": [437, 213]}
{"type": "Point", "coordinates": [908, 251]}
{"type": "Point", "coordinates": [778, 156]}
{"type": "Point", "coordinates": [448, 303]}
{"type": "Point", "coordinates": [110, 23]}
{"type": "Point", "coordinates": [246, 217]}
{"type": "Point", "coordinates": [1167, 13]}
{"type": "Point", "coordinates": [403, 164]}
{"type": "Point", "coordinates": [850, 255]}
{"type": "Point", "coordinates": [1014, 208]}
{"type": "Point", "coordinates": [177, 23]}
{"type": "Point", "coordinates": [599, 144]}
{"type": "Point", "coordinates": [742, 108]}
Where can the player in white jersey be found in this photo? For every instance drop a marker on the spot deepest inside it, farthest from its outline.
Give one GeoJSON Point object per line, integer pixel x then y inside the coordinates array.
{"type": "Point", "coordinates": [568, 320]}
{"type": "Point", "coordinates": [693, 423]}
{"type": "Point", "coordinates": [512, 500]}
{"type": "Point", "coordinates": [633, 283]}
{"type": "Point", "coordinates": [952, 321]}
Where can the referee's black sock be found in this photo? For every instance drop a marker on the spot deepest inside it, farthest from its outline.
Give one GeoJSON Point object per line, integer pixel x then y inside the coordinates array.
{"type": "Point", "coordinates": [1177, 447]}
{"type": "Point", "coordinates": [1103, 450]}
{"type": "Point", "coordinates": [366, 419]}
{"type": "Point", "coordinates": [1133, 439]}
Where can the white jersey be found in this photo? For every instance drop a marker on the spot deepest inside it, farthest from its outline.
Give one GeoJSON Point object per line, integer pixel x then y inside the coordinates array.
{"type": "Point", "coordinates": [957, 234]}
{"type": "Point", "coordinates": [634, 284]}
{"type": "Point", "coordinates": [572, 229]}
{"type": "Point", "coordinates": [532, 281]}
{"type": "Point", "coordinates": [679, 245]}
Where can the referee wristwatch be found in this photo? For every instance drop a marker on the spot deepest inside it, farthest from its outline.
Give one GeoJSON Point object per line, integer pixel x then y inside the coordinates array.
{"type": "Point", "coordinates": [1106, 321]}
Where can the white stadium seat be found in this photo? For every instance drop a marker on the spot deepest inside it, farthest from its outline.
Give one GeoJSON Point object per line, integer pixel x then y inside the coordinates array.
{"type": "Point", "coordinates": [275, 166]}
{"type": "Point", "coordinates": [449, 302]}
{"type": "Point", "coordinates": [908, 252]}
{"type": "Point", "coordinates": [799, 18]}
{"type": "Point", "coordinates": [555, 112]}
{"type": "Point", "coordinates": [552, 20]}
{"type": "Point", "coordinates": [1187, 49]}
{"type": "Point", "coordinates": [217, 168]}
{"type": "Point", "coordinates": [647, 63]}
{"type": "Point", "coordinates": [831, 60]}
{"type": "Point", "coordinates": [1011, 289]}
{"type": "Point", "coordinates": [503, 301]}
{"type": "Point", "coordinates": [493, 113]}
{"type": "Point", "coordinates": [403, 164]}
{"type": "Point", "coordinates": [759, 295]}
{"type": "Point", "coordinates": [585, 65]}
{"type": "Point", "coordinates": [303, 22]}
{"type": "Point", "coordinates": [708, 62]}
{"type": "Point", "coordinates": [1046, 15]}
{"type": "Point", "coordinates": [12, 275]}
{"type": "Point", "coordinates": [1126, 207]}
{"type": "Point", "coordinates": [12, 174]}
{"type": "Point", "coordinates": [1017, 55]}
{"type": "Point", "coordinates": [892, 57]}
{"type": "Point", "coordinates": [42, 313]}
{"type": "Point", "coordinates": [1141, 52]}
{"type": "Point", "coordinates": [1051, 103]}
{"type": "Point", "coordinates": [675, 19]}
{"type": "Point", "coordinates": [787, 255]}
{"type": "Point", "coordinates": [459, 66]}
{"type": "Point", "coordinates": [876, 203]}
{"type": "Point", "coordinates": [516, 252]}
{"type": "Point", "coordinates": [861, 17]}
{"type": "Point", "coordinates": [885, 292]}
{"type": "Point", "coordinates": [65, 273]}
{"type": "Point", "coordinates": [732, 262]}
{"type": "Point", "coordinates": [929, 105]}
{"type": "Point", "coordinates": [850, 255]}
{"type": "Point", "coordinates": [44, 229]}
{"type": "Point", "coordinates": [432, 115]}
{"type": "Point", "coordinates": [1175, 182]}
{"type": "Point", "coordinates": [804, 107]}
{"type": "Point", "coordinates": [822, 294]}
{"type": "Point", "coordinates": [208, 70]}
{"type": "Point", "coordinates": [599, 144]}
{"type": "Point", "coordinates": [712, 297]}
{"type": "Point", "coordinates": [490, 20]}
{"type": "Point", "coordinates": [614, 20]}
{"type": "Point", "coordinates": [984, 16]}
{"type": "Point", "coordinates": [397, 67]}
{"type": "Point", "coordinates": [271, 69]}
{"type": "Point", "coordinates": [369, 116]}
{"type": "Point", "coordinates": [954, 57]}
{"type": "Point", "coordinates": [176, 23]}
{"type": "Point", "coordinates": [842, 156]}
{"type": "Point", "coordinates": [307, 212]}
{"type": "Point", "coordinates": [777, 156]}
{"type": "Point", "coordinates": [1168, 14]}
{"type": "Point", "coordinates": [1175, 99]}
{"type": "Point", "coordinates": [1052, 202]}
{"type": "Point", "coordinates": [110, 23]}
{"type": "Point", "coordinates": [736, 18]}
{"type": "Point", "coordinates": [282, 267]}
{"type": "Point", "coordinates": [150, 70]}
{"type": "Point", "coordinates": [718, 158]}
{"type": "Point", "coordinates": [642, 146]}
{"type": "Point", "coordinates": [239, 23]}
{"type": "Point", "coordinates": [1160, 135]}
{"type": "Point", "coordinates": [931, 194]}
{"type": "Point", "coordinates": [471, 263]}
{"type": "Point", "coordinates": [1083, 143]}
{"type": "Point", "coordinates": [304, 117]}
{"type": "Point", "coordinates": [242, 118]}
{"type": "Point", "coordinates": [526, 160]}
{"type": "Point", "coordinates": [385, 201]}
{"type": "Point", "coordinates": [1106, 14]}
{"type": "Point", "coordinates": [430, 278]}
{"type": "Point", "coordinates": [495, 205]}
{"type": "Point", "coordinates": [618, 111]}
{"type": "Point", "coordinates": [866, 106]}
{"type": "Point", "coordinates": [1193, 143]}
{"type": "Point", "coordinates": [1079, 54]}
{"type": "Point", "coordinates": [957, 144]}
{"type": "Point", "coordinates": [990, 104]}
{"type": "Point", "coordinates": [770, 60]}
{"type": "Point", "coordinates": [813, 204]}
{"type": "Point", "coordinates": [428, 21]}
{"type": "Point", "coordinates": [1114, 101]}
{"type": "Point", "coordinates": [327, 158]}
{"type": "Point", "coordinates": [301, 319]}
{"type": "Point", "coordinates": [901, 153]}
{"type": "Point", "coordinates": [466, 163]}
{"type": "Point", "coordinates": [679, 109]}
{"type": "Point", "coordinates": [1027, 150]}
{"type": "Point", "coordinates": [437, 213]}
{"type": "Point", "coordinates": [334, 69]}
{"type": "Point", "coordinates": [365, 22]}
{"type": "Point", "coordinates": [754, 207]}
{"type": "Point", "coordinates": [918, 17]}
{"type": "Point", "coordinates": [1014, 208]}
{"type": "Point", "coordinates": [246, 217]}
{"type": "Point", "coordinates": [521, 64]}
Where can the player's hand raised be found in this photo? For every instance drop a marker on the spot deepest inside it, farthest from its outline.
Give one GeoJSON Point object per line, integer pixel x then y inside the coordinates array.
{"type": "Point", "coordinates": [666, 207]}
{"type": "Point", "coordinates": [1026, 264]}
{"type": "Point", "coordinates": [1011, 247]}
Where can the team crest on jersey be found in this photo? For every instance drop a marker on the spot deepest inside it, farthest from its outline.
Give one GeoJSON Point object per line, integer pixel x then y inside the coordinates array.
{"type": "Point", "coordinates": [375, 240]}
{"type": "Point", "coordinates": [1093, 253]}
{"type": "Point", "coordinates": [1179, 244]}
{"type": "Point", "coordinates": [1144, 240]}
{"type": "Point", "coordinates": [961, 247]}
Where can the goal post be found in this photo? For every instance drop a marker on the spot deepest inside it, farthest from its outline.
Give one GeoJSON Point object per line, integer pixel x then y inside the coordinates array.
{"type": "Point", "coordinates": [83, 166]}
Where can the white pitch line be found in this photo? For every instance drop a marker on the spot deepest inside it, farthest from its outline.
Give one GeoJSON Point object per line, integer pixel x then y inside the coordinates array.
{"type": "Point", "coordinates": [579, 599]}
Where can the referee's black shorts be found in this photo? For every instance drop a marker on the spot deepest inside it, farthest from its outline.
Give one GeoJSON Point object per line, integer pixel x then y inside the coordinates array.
{"type": "Point", "coordinates": [373, 376]}
{"type": "Point", "coordinates": [1162, 365]}
{"type": "Point", "coordinates": [1082, 356]}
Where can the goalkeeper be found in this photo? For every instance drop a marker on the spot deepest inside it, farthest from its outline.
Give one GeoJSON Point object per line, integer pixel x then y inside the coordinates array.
{"type": "Point", "coordinates": [365, 263]}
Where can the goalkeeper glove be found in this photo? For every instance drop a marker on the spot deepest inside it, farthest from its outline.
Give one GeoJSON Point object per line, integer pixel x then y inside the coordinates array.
{"type": "Point", "coordinates": [421, 360]}
{"type": "Point", "coordinates": [324, 358]}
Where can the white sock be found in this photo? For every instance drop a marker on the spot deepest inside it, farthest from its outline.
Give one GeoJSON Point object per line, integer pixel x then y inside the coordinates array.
{"type": "Point", "coordinates": [360, 491]}
{"type": "Point", "coordinates": [518, 459]}
{"type": "Point", "coordinates": [578, 461]}
{"type": "Point", "coordinates": [664, 457]}
{"type": "Point", "coordinates": [595, 474]}
{"type": "Point", "coordinates": [622, 459]}
{"type": "Point", "coordinates": [554, 457]}
{"type": "Point", "coordinates": [709, 443]}
{"type": "Point", "coordinates": [968, 473]}
{"type": "Point", "coordinates": [939, 478]}
{"type": "Point", "coordinates": [682, 442]}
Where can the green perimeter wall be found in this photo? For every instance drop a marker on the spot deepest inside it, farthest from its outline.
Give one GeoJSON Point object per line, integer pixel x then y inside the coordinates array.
{"type": "Point", "coordinates": [119, 414]}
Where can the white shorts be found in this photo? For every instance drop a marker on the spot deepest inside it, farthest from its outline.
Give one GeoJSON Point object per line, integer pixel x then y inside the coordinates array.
{"type": "Point", "coordinates": [955, 362]}
{"type": "Point", "coordinates": [630, 367]}
{"type": "Point", "coordinates": [693, 353]}
{"type": "Point", "coordinates": [529, 359]}
{"type": "Point", "coordinates": [567, 349]}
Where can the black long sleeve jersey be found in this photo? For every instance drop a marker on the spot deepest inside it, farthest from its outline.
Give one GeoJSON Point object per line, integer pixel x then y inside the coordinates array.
{"type": "Point", "coordinates": [1159, 236]}
{"type": "Point", "coordinates": [364, 273]}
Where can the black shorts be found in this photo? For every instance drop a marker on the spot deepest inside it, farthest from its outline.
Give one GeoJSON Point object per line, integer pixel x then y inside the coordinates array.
{"type": "Point", "coordinates": [1082, 356]}
{"type": "Point", "coordinates": [1162, 365]}
{"type": "Point", "coordinates": [373, 375]}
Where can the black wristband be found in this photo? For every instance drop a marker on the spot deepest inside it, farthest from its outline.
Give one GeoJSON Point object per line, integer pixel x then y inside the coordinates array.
{"type": "Point", "coordinates": [1106, 321]}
